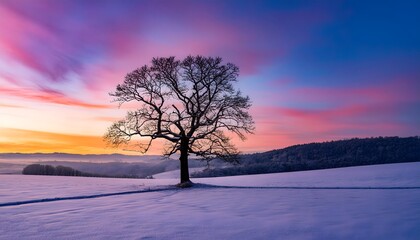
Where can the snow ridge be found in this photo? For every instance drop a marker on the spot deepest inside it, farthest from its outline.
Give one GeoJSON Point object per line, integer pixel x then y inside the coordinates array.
{"type": "Point", "coordinates": [291, 187]}
{"type": "Point", "coordinates": [198, 185]}
{"type": "Point", "coordinates": [85, 197]}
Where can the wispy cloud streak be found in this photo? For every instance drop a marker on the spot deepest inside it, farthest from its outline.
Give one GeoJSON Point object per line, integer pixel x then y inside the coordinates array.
{"type": "Point", "coordinates": [49, 96]}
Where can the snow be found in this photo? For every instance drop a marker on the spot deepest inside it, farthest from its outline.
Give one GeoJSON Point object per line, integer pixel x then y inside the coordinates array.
{"type": "Point", "coordinates": [370, 202]}
{"type": "Point", "coordinates": [175, 173]}
{"type": "Point", "coordinates": [15, 188]}
{"type": "Point", "coordinates": [386, 175]}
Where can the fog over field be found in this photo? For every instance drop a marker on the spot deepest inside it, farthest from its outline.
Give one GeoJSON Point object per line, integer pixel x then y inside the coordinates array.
{"type": "Point", "coordinates": [112, 165]}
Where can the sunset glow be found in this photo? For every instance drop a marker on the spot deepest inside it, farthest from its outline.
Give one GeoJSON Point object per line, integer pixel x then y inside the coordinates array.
{"type": "Point", "coordinates": [314, 70]}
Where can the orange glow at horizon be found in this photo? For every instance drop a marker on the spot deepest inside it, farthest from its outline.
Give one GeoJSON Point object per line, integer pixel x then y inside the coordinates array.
{"type": "Point", "coordinates": [28, 141]}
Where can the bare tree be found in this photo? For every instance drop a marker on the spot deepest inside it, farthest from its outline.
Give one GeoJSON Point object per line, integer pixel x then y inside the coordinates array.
{"type": "Point", "coordinates": [190, 103]}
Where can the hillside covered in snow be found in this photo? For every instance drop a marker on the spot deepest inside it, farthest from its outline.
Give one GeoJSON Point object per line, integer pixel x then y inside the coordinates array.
{"type": "Point", "coordinates": [369, 202]}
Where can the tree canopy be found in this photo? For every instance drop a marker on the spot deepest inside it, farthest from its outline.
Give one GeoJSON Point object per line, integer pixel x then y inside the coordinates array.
{"type": "Point", "coordinates": [191, 103]}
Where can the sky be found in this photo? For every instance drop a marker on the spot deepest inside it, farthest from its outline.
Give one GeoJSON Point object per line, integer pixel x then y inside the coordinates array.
{"type": "Point", "coordinates": [314, 70]}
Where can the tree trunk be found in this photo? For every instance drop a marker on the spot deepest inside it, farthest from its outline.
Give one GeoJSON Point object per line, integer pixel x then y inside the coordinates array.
{"type": "Point", "coordinates": [185, 175]}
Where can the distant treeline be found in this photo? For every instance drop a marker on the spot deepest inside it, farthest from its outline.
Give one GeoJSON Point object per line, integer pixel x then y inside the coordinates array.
{"type": "Point", "coordinates": [344, 153]}
{"type": "Point", "coordinates": [38, 169]}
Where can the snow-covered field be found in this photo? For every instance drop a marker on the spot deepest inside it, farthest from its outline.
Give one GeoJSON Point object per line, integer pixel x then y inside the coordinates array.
{"type": "Point", "coordinates": [369, 202]}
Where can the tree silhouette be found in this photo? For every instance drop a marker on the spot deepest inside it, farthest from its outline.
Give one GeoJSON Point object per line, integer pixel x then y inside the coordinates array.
{"type": "Point", "coordinates": [191, 103]}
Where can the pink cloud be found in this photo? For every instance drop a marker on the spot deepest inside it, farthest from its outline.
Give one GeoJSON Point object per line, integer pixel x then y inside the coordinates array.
{"type": "Point", "coordinates": [278, 127]}
{"type": "Point", "coordinates": [33, 45]}
{"type": "Point", "coordinates": [330, 113]}
{"type": "Point", "coordinates": [293, 125]}
{"type": "Point", "coordinates": [50, 96]}
{"type": "Point", "coordinates": [397, 90]}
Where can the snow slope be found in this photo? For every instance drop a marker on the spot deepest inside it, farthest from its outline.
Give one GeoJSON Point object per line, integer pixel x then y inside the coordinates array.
{"type": "Point", "coordinates": [175, 173]}
{"type": "Point", "coordinates": [370, 202]}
